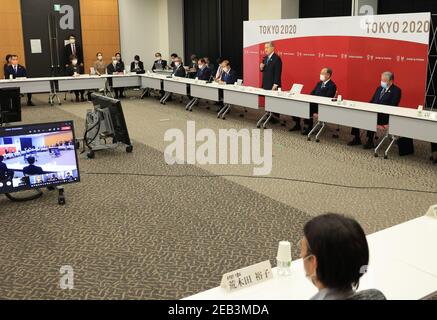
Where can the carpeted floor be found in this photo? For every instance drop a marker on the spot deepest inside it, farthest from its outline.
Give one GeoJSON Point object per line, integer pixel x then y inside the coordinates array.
{"type": "Point", "coordinates": [128, 235]}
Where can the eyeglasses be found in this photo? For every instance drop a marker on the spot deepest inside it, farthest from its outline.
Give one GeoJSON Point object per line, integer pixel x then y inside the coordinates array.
{"type": "Point", "coordinates": [309, 253]}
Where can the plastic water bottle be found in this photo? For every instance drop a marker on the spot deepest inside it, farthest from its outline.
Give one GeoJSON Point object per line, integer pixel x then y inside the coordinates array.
{"type": "Point", "coordinates": [284, 258]}
{"type": "Point", "coordinates": [420, 110]}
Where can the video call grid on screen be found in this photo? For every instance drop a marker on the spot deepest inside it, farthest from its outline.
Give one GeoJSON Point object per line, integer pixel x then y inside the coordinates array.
{"type": "Point", "coordinates": [37, 155]}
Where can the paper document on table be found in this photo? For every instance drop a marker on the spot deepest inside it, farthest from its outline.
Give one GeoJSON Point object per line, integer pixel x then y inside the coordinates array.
{"type": "Point", "coordinates": [296, 89]}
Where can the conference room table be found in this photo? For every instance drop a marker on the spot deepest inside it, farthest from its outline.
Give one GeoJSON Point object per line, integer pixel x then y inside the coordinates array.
{"type": "Point", "coordinates": [403, 122]}
{"type": "Point", "coordinates": [402, 265]}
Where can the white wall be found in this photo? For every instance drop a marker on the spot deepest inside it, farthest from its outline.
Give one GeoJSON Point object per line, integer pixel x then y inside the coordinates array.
{"type": "Point", "coordinates": [273, 9]}
{"type": "Point", "coordinates": [150, 26]}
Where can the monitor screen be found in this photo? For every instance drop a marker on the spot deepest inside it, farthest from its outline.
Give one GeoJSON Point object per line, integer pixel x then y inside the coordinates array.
{"type": "Point", "coordinates": [37, 155]}
{"type": "Point", "coordinates": [10, 105]}
{"type": "Point", "coordinates": [116, 117]}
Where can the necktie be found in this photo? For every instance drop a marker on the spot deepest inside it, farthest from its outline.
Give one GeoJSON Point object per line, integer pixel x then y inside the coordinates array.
{"type": "Point", "coordinates": [382, 94]}
{"type": "Point", "coordinates": [15, 69]}
{"type": "Point", "coordinates": [73, 47]}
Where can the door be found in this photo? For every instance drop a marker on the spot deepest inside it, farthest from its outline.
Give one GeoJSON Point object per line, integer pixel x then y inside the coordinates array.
{"type": "Point", "coordinates": [47, 24]}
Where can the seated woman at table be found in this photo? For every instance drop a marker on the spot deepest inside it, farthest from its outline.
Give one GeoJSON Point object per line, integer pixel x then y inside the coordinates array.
{"type": "Point", "coordinates": [75, 69]}
{"type": "Point", "coordinates": [335, 255]}
{"type": "Point", "coordinates": [99, 64]}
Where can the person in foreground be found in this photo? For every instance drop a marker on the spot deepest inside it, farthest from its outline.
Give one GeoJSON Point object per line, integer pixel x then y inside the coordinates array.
{"type": "Point", "coordinates": [335, 255]}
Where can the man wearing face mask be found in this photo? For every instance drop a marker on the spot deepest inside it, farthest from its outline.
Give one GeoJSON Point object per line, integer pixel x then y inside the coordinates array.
{"type": "Point", "coordinates": [179, 70]}
{"type": "Point", "coordinates": [72, 49]}
{"type": "Point", "coordinates": [204, 72]}
{"type": "Point", "coordinates": [324, 88]}
{"type": "Point", "coordinates": [335, 255]}
{"type": "Point", "coordinates": [115, 67]}
{"type": "Point", "coordinates": [74, 69]}
{"type": "Point", "coordinates": [387, 94]}
{"type": "Point", "coordinates": [159, 62]}
{"type": "Point", "coordinates": [99, 64]}
{"type": "Point", "coordinates": [173, 58]}
{"type": "Point", "coordinates": [229, 76]}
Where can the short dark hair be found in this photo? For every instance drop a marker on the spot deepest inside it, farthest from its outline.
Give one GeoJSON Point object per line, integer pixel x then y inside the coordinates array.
{"type": "Point", "coordinates": [31, 160]}
{"type": "Point", "coordinates": [340, 246]}
{"type": "Point", "coordinates": [1, 158]}
{"type": "Point", "coordinates": [174, 55]}
{"type": "Point", "coordinates": [8, 56]}
{"type": "Point", "coordinates": [158, 54]}
{"type": "Point", "coordinates": [137, 57]}
{"type": "Point", "coordinates": [203, 60]}
{"type": "Point", "coordinates": [71, 36]}
{"type": "Point", "coordinates": [99, 53]}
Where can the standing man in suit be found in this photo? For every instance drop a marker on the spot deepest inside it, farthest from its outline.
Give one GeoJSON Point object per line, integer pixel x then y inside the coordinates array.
{"type": "Point", "coordinates": [72, 49]}
{"type": "Point", "coordinates": [324, 88]}
{"type": "Point", "coordinates": [271, 69]}
{"type": "Point", "coordinates": [204, 72]}
{"type": "Point", "coordinates": [179, 70]}
{"type": "Point", "coordinates": [137, 65]}
{"type": "Point", "coordinates": [387, 94]}
{"type": "Point", "coordinates": [229, 76]}
{"type": "Point", "coordinates": [159, 62]}
{"type": "Point", "coordinates": [17, 71]}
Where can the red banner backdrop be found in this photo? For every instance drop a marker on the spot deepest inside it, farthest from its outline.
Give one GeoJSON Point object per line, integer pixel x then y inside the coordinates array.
{"type": "Point", "coordinates": [357, 63]}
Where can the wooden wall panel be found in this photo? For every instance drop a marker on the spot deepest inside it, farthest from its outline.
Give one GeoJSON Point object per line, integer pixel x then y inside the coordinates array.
{"type": "Point", "coordinates": [11, 31]}
{"type": "Point", "coordinates": [100, 29]}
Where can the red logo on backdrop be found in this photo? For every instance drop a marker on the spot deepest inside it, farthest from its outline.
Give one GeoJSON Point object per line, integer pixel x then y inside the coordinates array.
{"type": "Point", "coordinates": [357, 64]}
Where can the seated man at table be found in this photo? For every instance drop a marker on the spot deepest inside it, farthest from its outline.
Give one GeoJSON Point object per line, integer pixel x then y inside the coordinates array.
{"type": "Point", "coordinates": [204, 72]}
{"type": "Point", "coordinates": [387, 94]}
{"type": "Point", "coordinates": [74, 69]}
{"type": "Point", "coordinates": [137, 65]}
{"type": "Point", "coordinates": [324, 88]}
{"type": "Point", "coordinates": [159, 62]}
{"type": "Point", "coordinates": [115, 68]}
{"type": "Point", "coordinates": [229, 76]}
{"type": "Point", "coordinates": [173, 57]}
{"type": "Point", "coordinates": [335, 256]}
{"type": "Point", "coordinates": [3, 169]}
{"type": "Point", "coordinates": [32, 169]}
{"type": "Point", "coordinates": [179, 70]}
{"type": "Point", "coordinates": [17, 71]}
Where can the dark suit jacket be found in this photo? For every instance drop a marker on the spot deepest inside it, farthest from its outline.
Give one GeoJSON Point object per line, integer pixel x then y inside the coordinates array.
{"type": "Point", "coordinates": [68, 52]}
{"type": "Point", "coordinates": [329, 90]}
{"type": "Point", "coordinates": [119, 67]}
{"type": "Point", "coordinates": [392, 97]}
{"type": "Point", "coordinates": [272, 72]}
{"type": "Point", "coordinates": [204, 74]}
{"type": "Point", "coordinates": [140, 65]}
{"type": "Point", "coordinates": [32, 170]}
{"type": "Point", "coordinates": [180, 72]}
{"type": "Point", "coordinates": [70, 70]}
{"type": "Point", "coordinates": [21, 72]}
{"type": "Point", "coordinates": [230, 77]}
{"type": "Point", "coordinates": [163, 63]}
{"type": "Point", "coordinates": [3, 170]}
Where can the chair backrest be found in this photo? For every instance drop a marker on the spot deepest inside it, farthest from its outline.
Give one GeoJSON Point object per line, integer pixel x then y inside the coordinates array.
{"type": "Point", "coordinates": [371, 294]}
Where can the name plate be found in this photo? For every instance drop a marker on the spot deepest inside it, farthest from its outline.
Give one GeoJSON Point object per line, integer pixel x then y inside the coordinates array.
{"type": "Point", "coordinates": [247, 277]}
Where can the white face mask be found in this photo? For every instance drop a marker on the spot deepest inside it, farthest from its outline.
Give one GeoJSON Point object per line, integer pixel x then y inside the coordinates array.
{"type": "Point", "coordinates": [72, 41]}
{"type": "Point", "coordinates": [310, 277]}
{"type": "Point", "coordinates": [158, 58]}
{"type": "Point", "coordinates": [100, 58]}
{"type": "Point", "coordinates": [114, 62]}
{"type": "Point", "coordinates": [384, 84]}
{"type": "Point", "coordinates": [322, 78]}
{"type": "Point", "coordinates": [74, 62]}
{"type": "Point", "coordinates": [177, 64]}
